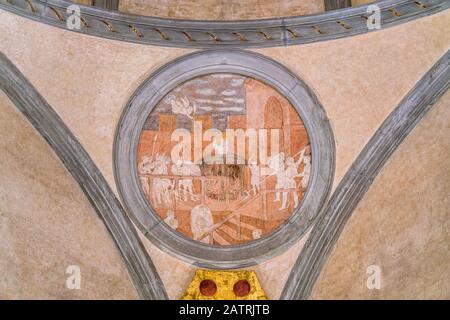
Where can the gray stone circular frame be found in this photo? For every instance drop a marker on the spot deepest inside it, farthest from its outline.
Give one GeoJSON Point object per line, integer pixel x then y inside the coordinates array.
{"type": "Point", "coordinates": [244, 63]}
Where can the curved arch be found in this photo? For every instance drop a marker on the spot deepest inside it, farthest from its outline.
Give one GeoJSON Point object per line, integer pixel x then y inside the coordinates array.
{"type": "Point", "coordinates": [273, 107]}
{"type": "Point", "coordinates": [236, 34]}
{"type": "Point", "coordinates": [357, 180]}
{"type": "Point", "coordinates": [41, 115]}
{"type": "Point", "coordinates": [248, 64]}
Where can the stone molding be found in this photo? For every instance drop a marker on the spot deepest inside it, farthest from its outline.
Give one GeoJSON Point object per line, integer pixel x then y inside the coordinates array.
{"type": "Point", "coordinates": [120, 26]}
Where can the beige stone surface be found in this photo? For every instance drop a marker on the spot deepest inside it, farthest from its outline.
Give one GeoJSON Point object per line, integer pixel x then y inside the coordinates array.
{"type": "Point", "coordinates": [402, 224]}
{"type": "Point", "coordinates": [175, 274]}
{"type": "Point", "coordinates": [359, 80]}
{"type": "Point", "coordinates": [221, 9]}
{"type": "Point", "coordinates": [273, 273]}
{"type": "Point", "coordinates": [47, 224]}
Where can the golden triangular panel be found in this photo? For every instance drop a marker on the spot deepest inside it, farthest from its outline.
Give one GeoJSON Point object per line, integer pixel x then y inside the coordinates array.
{"type": "Point", "coordinates": [224, 281]}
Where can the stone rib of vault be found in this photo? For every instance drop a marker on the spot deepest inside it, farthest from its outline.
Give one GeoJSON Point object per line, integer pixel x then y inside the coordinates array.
{"type": "Point", "coordinates": [358, 179]}
{"type": "Point", "coordinates": [224, 34]}
{"type": "Point", "coordinates": [77, 161]}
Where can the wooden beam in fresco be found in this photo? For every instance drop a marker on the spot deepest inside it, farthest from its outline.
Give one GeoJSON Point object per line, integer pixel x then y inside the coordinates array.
{"type": "Point", "coordinates": [106, 4]}
{"type": "Point", "coordinates": [337, 4]}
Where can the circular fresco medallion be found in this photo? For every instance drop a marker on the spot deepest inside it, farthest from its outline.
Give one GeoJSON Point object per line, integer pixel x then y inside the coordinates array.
{"type": "Point", "coordinates": [224, 159]}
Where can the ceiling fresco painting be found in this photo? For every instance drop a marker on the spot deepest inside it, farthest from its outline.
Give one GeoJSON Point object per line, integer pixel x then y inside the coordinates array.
{"type": "Point", "coordinates": [224, 150]}
{"type": "Point", "coordinates": [224, 159]}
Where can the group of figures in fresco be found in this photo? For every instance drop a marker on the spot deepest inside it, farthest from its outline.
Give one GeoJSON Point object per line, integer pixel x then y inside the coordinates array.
{"type": "Point", "coordinates": [163, 191]}
{"type": "Point", "coordinates": [285, 168]}
{"type": "Point", "coordinates": [224, 202]}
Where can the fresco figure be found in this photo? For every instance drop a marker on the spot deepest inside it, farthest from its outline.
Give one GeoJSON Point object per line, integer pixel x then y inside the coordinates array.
{"type": "Point", "coordinates": [276, 163]}
{"type": "Point", "coordinates": [201, 221]}
{"type": "Point", "coordinates": [306, 171]}
{"type": "Point", "coordinates": [161, 187]}
{"type": "Point", "coordinates": [145, 185]}
{"type": "Point", "coordinates": [290, 174]}
{"type": "Point", "coordinates": [183, 106]}
{"type": "Point", "coordinates": [255, 179]}
{"type": "Point", "coordinates": [256, 234]}
{"type": "Point", "coordinates": [171, 220]}
{"type": "Point", "coordinates": [186, 186]}
{"type": "Point", "coordinates": [144, 168]}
